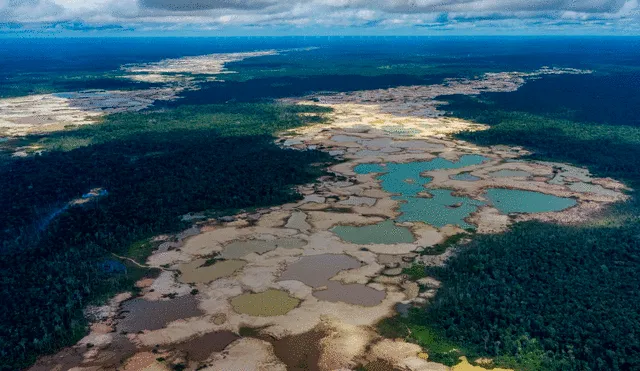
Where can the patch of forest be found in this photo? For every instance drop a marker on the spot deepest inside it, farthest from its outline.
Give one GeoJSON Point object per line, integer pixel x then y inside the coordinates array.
{"type": "Point", "coordinates": [19, 85]}
{"type": "Point", "coordinates": [156, 166]}
{"type": "Point", "coordinates": [600, 98]}
{"type": "Point", "coordinates": [609, 146]}
{"type": "Point", "coordinates": [545, 296]}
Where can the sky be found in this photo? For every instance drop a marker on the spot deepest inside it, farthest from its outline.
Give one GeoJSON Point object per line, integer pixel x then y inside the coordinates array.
{"type": "Point", "coordinates": [318, 17]}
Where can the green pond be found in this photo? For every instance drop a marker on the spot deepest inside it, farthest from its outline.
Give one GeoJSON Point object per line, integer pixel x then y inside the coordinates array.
{"type": "Point", "coordinates": [382, 233]}
{"type": "Point", "coordinates": [265, 304]}
{"type": "Point", "coordinates": [441, 208]}
{"type": "Point", "coordinates": [518, 201]}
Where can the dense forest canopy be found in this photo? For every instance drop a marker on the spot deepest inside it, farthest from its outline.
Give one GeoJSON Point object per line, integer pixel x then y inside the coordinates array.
{"type": "Point", "coordinates": [545, 296]}
{"type": "Point", "coordinates": [568, 295]}
{"type": "Point", "coordinates": [585, 119]}
{"type": "Point", "coordinates": [156, 166]}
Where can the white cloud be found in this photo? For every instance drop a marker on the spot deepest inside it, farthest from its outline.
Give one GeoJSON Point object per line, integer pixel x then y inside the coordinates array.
{"type": "Point", "coordinates": [217, 14]}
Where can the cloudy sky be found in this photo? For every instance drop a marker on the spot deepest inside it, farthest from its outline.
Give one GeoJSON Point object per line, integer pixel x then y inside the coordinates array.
{"type": "Point", "coordinates": [309, 17]}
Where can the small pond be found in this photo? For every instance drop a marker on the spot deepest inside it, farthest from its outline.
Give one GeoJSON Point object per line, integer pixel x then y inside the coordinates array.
{"type": "Point", "coordinates": [386, 232]}
{"type": "Point", "coordinates": [316, 271]}
{"type": "Point", "coordinates": [265, 304]}
{"type": "Point", "coordinates": [518, 201]}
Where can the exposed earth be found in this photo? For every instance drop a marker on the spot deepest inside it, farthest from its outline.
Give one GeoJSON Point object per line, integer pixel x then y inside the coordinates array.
{"type": "Point", "coordinates": [302, 285]}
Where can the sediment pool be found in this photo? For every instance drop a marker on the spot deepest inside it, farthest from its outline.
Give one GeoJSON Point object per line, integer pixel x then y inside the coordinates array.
{"type": "Point", "coordinates": [140, 314]}
{"type": "Point", "coordinates": [198, 271]}
{"type": "Point", "coordinates": [405, 178]}
{"type": "Point", "coordinates": [264, 304]}
{"type": "Point", "coordinates": [300, 352]}
{"type": "Point", "coordinates": [351, 293]}
{"type": "Point", "coordinates": [201, 347]}
{"type": "Point", "coordinates": [316, 270]}
{"type": "Point", "coordinates": [382, 233]}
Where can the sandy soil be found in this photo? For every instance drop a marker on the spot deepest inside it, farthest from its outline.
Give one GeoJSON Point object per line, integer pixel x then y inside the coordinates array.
{"type": "Point", "coordinates": [53, 112]}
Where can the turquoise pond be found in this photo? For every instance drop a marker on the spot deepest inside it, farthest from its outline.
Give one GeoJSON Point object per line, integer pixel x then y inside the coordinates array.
{"type": "Point", "coordinates": [441, 208]}
{"type": "Point", "coordinates": [518, 201]}
{"type": "Point", "coordinates": [438, 207]}
{"type": "Point", "coordinates": [405, 178]}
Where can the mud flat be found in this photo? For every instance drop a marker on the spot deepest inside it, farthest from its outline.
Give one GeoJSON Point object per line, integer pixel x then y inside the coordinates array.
{"type": "Point", "coordinates": [506, 173]}
{"type": "Point", "coordinates": [324, 270]}
{"type": "Point", "coordinates": [465, 177]}
{"type": "Point", "coordinates": [238, 249]}
{"type": "Point", "coordinates": [198, 271]}
{"type": "Point", "coordinates": [53, 112]}
{"type": "Point", "coordinates": [210, 64]}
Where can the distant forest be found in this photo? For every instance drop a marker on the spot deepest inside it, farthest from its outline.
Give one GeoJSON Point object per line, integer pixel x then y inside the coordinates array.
{"type": "Point", "coordinates": [543, 296]}
{"type": "Point", "coordinates": [156, 166]}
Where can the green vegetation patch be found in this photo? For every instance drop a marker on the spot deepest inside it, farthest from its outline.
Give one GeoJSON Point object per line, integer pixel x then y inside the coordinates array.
{"type": "Point", "coordinates": [415, 272]}
{"type": "Point", "coordinates": [544, 296]}
{"type": "Point", "coordinates": [437, 347]}
{"type": "Point", "coordinates": [441, 248]}
{"type": "Point", "coordinates": [156, 166]}
{"type": "Point", "coordinates": [607, 149]}
{"type": "Point", "coordinates": [568, 295]}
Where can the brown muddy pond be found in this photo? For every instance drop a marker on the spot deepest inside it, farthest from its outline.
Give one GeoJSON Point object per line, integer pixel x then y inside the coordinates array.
{"type": "Point", "coordinates": [238, 249]}
{"type": "Point", "coordinates": [200, 348]}
{"type": "Point", "coordinates": [351, 293]}
{"type": "Point", "coordinates": [140, 314]}
{"type": "Point", "coordinates": [380, 365]}
{"type": "Point", "coordinates": [317, 270]}
{"type": "Point", "coordinates": [265, 304]}
{"type": "Point", "coordinates": [69, 358]}
{"type": "Point", "coordinates": [299, 352]}
{"type": "Point", "coordinates": [198, 272]}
